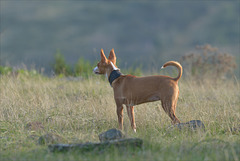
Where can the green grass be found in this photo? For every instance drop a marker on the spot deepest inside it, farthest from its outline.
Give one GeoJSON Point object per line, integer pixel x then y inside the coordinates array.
{"type": "Point", "coordinates": [80, 110]}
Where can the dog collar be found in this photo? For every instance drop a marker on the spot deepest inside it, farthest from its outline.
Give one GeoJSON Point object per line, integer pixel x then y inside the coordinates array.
{"type": "Point", "coordinates": [114, 75]}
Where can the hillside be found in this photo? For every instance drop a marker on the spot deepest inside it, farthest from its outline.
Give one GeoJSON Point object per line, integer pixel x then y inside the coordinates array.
{"type": "Point", "coordinates": [147, 33]}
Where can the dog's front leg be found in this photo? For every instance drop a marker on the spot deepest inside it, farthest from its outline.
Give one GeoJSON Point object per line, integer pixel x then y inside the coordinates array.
{"type": "Point", "coordinates": [130, 111]}
{"type": "Point", "coordinates": [120, 116]}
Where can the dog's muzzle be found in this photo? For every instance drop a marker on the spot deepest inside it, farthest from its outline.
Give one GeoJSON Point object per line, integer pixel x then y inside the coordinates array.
{"type": "Point", "coordinates": [96, 70]}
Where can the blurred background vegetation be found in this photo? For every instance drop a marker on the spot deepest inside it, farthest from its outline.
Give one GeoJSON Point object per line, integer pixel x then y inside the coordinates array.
{"type": "Point", "coordinates": [65, 37]}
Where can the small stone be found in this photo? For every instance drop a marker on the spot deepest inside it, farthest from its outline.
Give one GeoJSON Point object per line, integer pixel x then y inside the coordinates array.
{"type": "Point", "coordinates": [192, 125]}
{"type": "Point", "coordinates": [86, 147]}
{"type": "Point", "coordinates": [112, 134]}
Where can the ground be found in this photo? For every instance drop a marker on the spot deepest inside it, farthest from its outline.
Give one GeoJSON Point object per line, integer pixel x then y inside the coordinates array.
{"type": "Point", "coordinates": [78, 110]}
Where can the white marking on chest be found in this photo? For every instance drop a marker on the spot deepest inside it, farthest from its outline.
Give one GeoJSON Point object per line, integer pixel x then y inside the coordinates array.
{"type": "Point", "coordinates": [114, 68]}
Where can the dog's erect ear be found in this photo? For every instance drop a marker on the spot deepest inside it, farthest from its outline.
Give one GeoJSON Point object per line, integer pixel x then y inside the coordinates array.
{"type": "Point", "coordinates": [112, 56]}
{"type": "Point", "coordinates": [103, 57]}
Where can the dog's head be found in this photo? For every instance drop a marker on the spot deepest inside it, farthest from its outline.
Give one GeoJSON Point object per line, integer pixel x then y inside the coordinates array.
{"type": "Point", "coordinates": [106, 64]}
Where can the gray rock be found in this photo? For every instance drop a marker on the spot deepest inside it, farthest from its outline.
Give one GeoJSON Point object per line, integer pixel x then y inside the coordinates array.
{"type": "Point", "coordinates": [192, 125]}
{"type": "Point", "coordinates": [112, 134]}
{"type": "Point", "coordinates": [121, 143]}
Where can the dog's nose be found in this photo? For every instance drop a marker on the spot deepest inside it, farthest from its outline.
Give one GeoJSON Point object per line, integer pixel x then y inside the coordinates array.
{"type": "Point", "coordinates": [95, 70]}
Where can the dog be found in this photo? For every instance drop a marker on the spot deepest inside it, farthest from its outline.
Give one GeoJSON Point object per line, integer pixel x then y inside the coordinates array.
{"type": "Point", "coordinates": [131, 90]}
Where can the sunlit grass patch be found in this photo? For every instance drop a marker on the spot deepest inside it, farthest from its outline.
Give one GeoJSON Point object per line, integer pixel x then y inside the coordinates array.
{"type": "Point", "coordinates": [77, 111]}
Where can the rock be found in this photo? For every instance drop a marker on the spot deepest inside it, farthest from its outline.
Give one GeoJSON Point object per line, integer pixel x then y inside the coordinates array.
{"type": "Point", "coordinates": [192, 125]}
{"type": "Point", "coordinates": [111, 138]}
{"type": "Point", "coordinates": [112, 134]}
{"type": "Point", "coordinates": [121, 143]}
{"type": "Point", "coordinates": [49, 139]}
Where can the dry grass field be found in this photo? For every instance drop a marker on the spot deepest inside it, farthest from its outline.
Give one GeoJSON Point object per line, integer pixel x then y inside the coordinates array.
{"type": "Point", "coordinates": [78, 110]}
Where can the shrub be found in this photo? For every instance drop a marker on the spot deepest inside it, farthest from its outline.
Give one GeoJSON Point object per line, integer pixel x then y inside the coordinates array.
{"type": "Point", "coordinates": [5, 70]}
{"type": "Point", "coordinates": [208, 61]}
{"type": "Point", "coordinates": [60, 67]}
{"type": "Point", "coordinates": [83, 68]}
{"type": "Point", "coordinates": [25, 72]}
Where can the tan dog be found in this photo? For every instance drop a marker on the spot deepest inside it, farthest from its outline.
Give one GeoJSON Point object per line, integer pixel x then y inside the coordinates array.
{"type": "Point", "coordinates": [130, 90]}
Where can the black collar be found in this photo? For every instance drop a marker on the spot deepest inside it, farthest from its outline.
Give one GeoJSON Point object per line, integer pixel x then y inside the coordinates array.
{"type": "Point", "coordinates": [114, 75]}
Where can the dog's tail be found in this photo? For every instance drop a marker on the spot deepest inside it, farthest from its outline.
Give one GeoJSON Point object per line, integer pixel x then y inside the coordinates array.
{"type": "Point", "coordinates": [176, 64]}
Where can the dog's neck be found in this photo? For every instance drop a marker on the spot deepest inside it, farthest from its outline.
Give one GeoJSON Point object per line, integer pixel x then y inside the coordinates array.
{"type": "Point", "coordinates": [113, 73]}
{"type": "Point", "coordinates": [110, 69]}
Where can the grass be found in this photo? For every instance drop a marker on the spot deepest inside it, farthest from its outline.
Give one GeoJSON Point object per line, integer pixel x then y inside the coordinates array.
{"type": "Point", "coordinates": [78, 111]}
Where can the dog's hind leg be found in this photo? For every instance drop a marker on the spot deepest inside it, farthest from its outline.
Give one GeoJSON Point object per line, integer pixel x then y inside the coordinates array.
{"type": "Point", "coordinates": [173, 116]}
{"type": "Point", "coordinates": [130, 111]}
{"type": "Point", "coordinates": [169, 107]}
{"type": "Point", "coordinates": [173, 108]}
